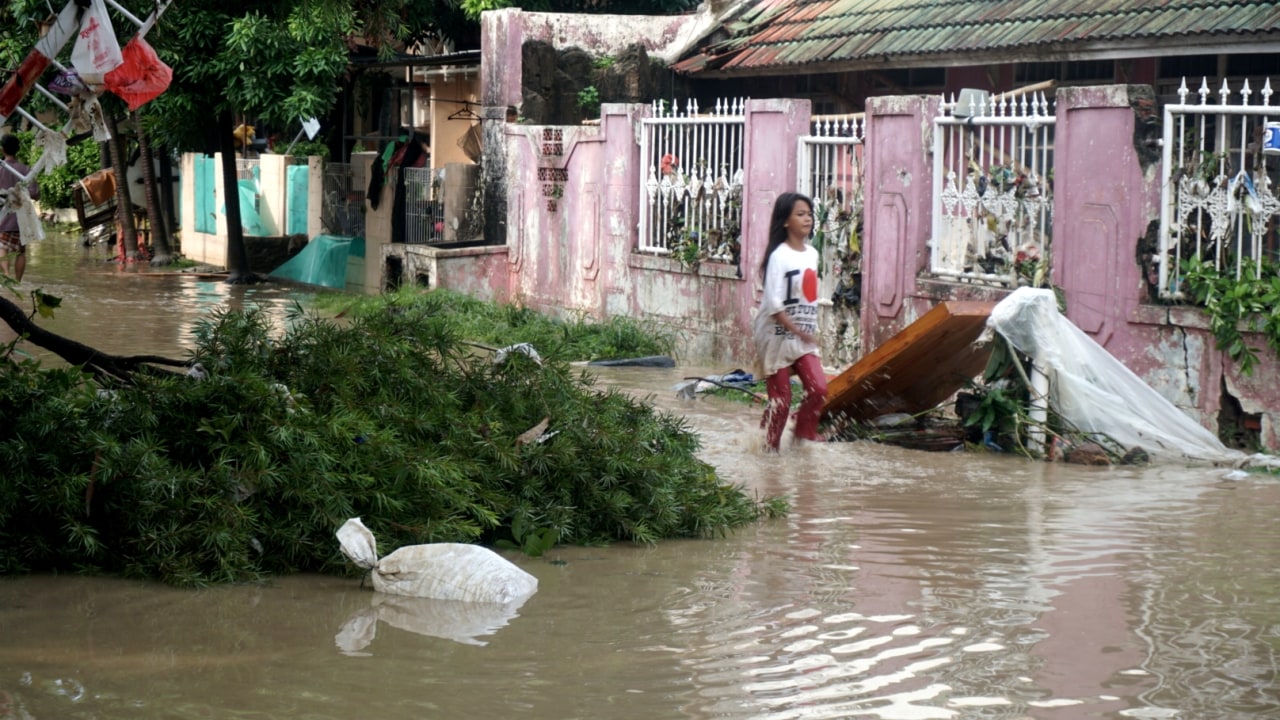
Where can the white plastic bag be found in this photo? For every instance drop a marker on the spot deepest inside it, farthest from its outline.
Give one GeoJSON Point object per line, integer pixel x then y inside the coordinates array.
{"type": "Point", "coordinates": [96, 52]}
{"type": "Point", "coordinates": [19, 203]}
{"type": "Point", "coordinates": [446, 571]}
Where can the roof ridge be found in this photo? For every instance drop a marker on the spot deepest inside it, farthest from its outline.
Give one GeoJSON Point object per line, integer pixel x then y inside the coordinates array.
{"type": "Point", "coordinates": [778, 34]}
{"type": "Point", "coordinates": [1124, 10]}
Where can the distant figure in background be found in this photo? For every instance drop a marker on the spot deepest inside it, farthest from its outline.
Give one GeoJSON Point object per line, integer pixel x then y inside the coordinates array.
{"type": "Point", "coordinates": [786, 326]}
{"type": "Point", "coordinates": [10, 239]}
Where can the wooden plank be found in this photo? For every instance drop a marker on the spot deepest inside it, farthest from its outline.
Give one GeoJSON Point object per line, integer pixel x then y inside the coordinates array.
{"type": "Point", "coordinates": [916, 369]}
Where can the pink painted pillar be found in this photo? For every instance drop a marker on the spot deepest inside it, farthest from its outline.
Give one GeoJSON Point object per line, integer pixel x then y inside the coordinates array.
{"type": "Point", "coordinates": [1102, 204]}
{"type": "Point", "coordinates": [623, 178]}
{"type": "Point", "coordinates": [501, 39]}
{"type": "Point", "coordinates": [897, 216]}
{"type": "Point", "coordinates": [770, 149]}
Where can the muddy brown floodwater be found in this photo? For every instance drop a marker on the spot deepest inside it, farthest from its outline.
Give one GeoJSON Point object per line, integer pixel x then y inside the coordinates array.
{"type": "Point", "coordinates": [904, 585]}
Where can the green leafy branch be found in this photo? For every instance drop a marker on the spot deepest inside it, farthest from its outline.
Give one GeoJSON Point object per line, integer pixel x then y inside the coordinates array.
{"type": "Point", "coordinates": [1235, 306]}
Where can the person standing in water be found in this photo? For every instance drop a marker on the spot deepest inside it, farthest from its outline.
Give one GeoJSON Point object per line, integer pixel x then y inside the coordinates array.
{"type": "Point", "coordinates": [786, 325]}
{"type": "Point", "coordinates": [11, 245]}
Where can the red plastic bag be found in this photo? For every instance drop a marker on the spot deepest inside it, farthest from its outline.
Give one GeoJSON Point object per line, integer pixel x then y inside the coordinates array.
{"type": "Point", "coordinates": [141, 77]}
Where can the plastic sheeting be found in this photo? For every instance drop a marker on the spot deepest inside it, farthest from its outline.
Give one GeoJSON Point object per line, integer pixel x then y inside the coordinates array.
{"type": "Point", "coordinates": [1092, 390]}
{"type": "Point", "coordinates": [322, 262]}
{"type": "Point", "coordinates": [250, 220]}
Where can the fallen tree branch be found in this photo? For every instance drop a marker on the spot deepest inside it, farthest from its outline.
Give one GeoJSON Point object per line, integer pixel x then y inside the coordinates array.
{"type": "Point", "coordinates": [105, 367]}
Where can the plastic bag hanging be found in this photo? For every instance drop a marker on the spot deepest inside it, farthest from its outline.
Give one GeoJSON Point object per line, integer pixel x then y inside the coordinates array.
{"type": "Point", "coordinates": [141, 77]}
{"type": "Point", "coordinates": [96, 52]}
{"type": "Point", "coordinates": [19, 203]}
{"type": "Point", "coordinates": [86, 115]}
{"type": "Point", "coordinates": [67, 83]}
{"type": "Point", "coordinates": [53, 145]}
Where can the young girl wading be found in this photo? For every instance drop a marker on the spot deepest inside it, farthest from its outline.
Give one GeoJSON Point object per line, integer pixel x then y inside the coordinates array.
{"type": "Point", "coordinates": [786, 326]}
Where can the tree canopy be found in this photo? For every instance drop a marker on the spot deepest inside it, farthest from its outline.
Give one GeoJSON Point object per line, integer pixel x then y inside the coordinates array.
{"type": "Point", "coordinates": [278, 61]}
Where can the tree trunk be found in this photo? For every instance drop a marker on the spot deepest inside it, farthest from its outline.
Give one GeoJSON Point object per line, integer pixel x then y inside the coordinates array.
{"type": "Point", "coordinates": [167, 214]}
{"type": "Point", "coordinates": [160, 255]}
{"type": "Point", "coordinates": [237, 259]}
{"type": "Point", "coordinates": [128, 233]}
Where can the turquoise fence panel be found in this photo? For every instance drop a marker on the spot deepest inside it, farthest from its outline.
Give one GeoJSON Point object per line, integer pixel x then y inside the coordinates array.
{"type": "Point", "coordinates": [298, 181]}
{"type": "Point", "coordinates": [206, 219]}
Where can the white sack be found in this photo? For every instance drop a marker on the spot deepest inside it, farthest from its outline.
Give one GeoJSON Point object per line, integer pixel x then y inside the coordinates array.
{"type": "Point", "coordinates": [446, 571]}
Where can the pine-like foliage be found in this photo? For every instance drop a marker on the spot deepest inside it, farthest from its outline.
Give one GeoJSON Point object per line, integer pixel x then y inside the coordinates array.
{"type": "Point", "coordinates": [389, 416]}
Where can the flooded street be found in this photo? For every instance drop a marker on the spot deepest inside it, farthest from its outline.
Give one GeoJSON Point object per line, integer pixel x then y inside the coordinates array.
{"type": "Point", "coordinates": [904, 585]}
{"type": "Point", "coordinates": [127, 309]}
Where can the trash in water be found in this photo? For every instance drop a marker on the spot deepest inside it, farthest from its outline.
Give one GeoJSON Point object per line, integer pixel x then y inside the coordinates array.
{"type": "Point", "coordinates": [445, 571]}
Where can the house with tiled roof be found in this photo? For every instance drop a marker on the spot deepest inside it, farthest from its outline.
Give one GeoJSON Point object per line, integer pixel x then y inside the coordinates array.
{"type": "Point", "coordinates": [840, 52]}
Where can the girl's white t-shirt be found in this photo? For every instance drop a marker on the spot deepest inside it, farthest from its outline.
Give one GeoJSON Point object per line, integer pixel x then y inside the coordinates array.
{"type": "Point", "coordinates": [790, 286]}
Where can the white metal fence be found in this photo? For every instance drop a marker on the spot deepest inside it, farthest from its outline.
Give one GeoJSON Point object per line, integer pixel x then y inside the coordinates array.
{"type": "Point", "coordinates": [691, 201]}
{"type": "Point", "coordinates": [423, 206]}
{"type": "Point", "coordinates": [830, 172]}
{"type": "Point", "coordinates": [1216, 200]}
{"type": "Point", "coordinates": [993, 180]}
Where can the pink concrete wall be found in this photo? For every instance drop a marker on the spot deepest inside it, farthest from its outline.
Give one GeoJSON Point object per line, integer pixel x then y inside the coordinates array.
{"type": "Point", "coordinates": [504, 32]}
{"type": "Point", "coordinates": [1104, 201]}
{"type": "Point", "coordinates": [576, 256]}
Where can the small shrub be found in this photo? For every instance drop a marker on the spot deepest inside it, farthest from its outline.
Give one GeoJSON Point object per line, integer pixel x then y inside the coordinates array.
{"type": "Point", "coordinates": [589, 101]}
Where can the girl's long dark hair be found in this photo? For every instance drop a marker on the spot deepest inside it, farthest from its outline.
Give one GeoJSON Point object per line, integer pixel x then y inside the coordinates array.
{"type": "Point", "coordinates": [782, 208]}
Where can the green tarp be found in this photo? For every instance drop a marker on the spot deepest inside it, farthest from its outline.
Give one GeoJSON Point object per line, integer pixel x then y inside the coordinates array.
{"type": "Point", "coordinates": [322, 262]}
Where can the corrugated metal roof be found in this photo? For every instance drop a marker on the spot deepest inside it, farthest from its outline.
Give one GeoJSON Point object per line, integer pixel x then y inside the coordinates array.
{"type": "Point", "coordinates": [778, 35]}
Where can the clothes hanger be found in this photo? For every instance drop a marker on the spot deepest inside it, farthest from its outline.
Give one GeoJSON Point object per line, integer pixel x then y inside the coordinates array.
{"type": "Point", "coordinates": [465, 113]}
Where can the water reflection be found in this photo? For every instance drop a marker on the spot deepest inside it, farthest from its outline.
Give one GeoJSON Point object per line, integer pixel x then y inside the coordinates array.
{"type": "Point", "coordinates": [456, 620]}
{"type": "Point", "coordinates": [903, 585]}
